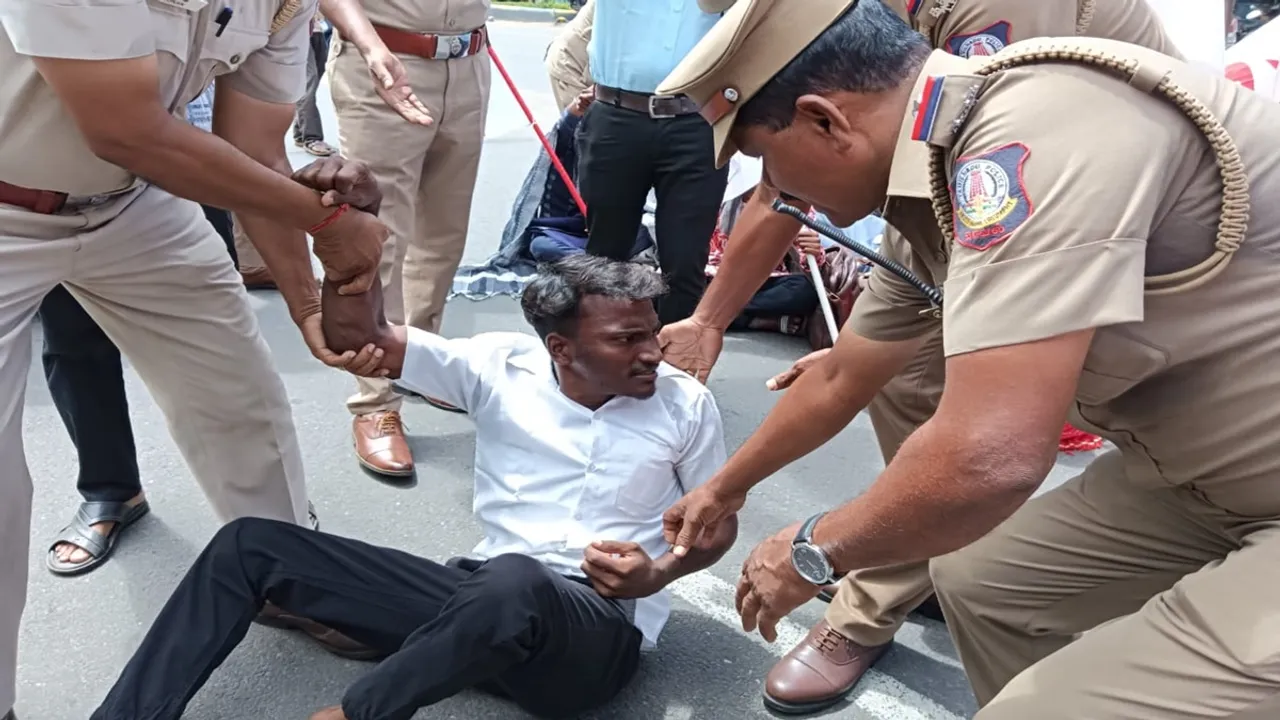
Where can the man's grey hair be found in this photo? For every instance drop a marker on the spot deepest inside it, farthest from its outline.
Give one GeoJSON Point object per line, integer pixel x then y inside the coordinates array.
{"type": "Point", "coordinates": [869, 49]}
{"type": "Point", "coordinates": [551, 302]}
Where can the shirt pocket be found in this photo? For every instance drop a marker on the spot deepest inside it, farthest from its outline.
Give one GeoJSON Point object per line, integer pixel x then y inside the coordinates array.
{"type": "Point", "coordinates": [646, 485]}
{"type": "Point", "coordinates": [224, 55]}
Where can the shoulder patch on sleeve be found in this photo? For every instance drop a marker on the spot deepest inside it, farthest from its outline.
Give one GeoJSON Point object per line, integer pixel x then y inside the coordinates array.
{"type": "Point", "coordinates": [989, 197]}
{"type": "Point", "coordinates": [987, 41]}
{"type": "Point", "coordinates": [927, 108]}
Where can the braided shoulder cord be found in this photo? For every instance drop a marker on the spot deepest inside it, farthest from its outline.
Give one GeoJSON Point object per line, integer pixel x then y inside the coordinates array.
{"type": "Point", "coordinates": [1233, 221]}
{"type": "Point", "coordinates": [288, 10]}
{"type": "Point", "coordinates": [1084, 17]}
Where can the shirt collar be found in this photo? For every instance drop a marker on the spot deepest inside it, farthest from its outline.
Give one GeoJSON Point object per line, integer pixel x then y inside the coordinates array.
{"type": "Point", "coordinates": [909, 172]}
{"type": "Point", "coordinates": [537, 363]}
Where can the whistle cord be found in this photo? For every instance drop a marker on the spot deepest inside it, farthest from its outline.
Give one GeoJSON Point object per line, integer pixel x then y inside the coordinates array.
{"type": "Point", "coordinates": [833, 233]}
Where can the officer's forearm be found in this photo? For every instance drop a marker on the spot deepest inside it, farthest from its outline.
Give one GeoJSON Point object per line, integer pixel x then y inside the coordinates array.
{"type": "Point", "coordinates": [985, 451]}
{"type": "Point", "coordinates": [759, 241]}
{"type": "Point", "coordinates": [200, 166]}
{"type": "Point", "coordinates": [352, 24]}
{"type": "Point", "coordinates": [818, 406]}
{"type": "Point", "coordinates": [943, 490]}
{"type": "Point", "coordinates": [285, 252]}
{"type": "Point", "coordinates": [116, 106]}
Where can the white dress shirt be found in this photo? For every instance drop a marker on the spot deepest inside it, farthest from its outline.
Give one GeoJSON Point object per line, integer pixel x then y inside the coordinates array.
{"type": "Point", "coordinates": [552, 476]}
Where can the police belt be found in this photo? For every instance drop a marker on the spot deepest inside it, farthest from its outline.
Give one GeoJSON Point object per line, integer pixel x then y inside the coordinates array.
{"type": "Point", "coordinates": [52, 202]}
{"type": "Point", "coordinates": [658, 107]}
{"type": "Point", "coordinates": [45, 202]}
{"type": "Point", "coordinates": [431, 46]}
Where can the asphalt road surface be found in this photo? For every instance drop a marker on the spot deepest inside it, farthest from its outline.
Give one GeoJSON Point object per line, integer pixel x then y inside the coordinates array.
{"type": "Point", "coordinates": [78, 633]}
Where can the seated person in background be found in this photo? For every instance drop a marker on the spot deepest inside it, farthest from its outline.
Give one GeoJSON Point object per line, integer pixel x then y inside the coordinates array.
{"type": "Point", "coordinates": [583, 439]}
{"type": "Point", "coordinates": [787, 299]}
{"type": "Point", "coordinates": [559, 228]}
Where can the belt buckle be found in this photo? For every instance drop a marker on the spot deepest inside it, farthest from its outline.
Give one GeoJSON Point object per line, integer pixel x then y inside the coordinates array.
{"type": "Point", "coordinates": [74, 202]}
{"type": "Point", "coordinates": [653, 106]}
{"type": "Point", "coordinates": [451, 47]}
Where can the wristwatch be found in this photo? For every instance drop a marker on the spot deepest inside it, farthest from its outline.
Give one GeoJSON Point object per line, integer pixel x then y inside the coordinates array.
{"type": "Point", "coordinates": [809, 560]}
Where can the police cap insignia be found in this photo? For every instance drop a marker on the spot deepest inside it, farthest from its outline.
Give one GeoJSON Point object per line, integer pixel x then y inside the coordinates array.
{"type": "Point", "coordinates": [987, 41]}
{"type": "Point", "coordinates": [990, 197]}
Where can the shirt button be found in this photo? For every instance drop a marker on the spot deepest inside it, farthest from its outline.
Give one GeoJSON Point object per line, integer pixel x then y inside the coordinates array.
{"type": "Point", "coordinates": [235, 59]}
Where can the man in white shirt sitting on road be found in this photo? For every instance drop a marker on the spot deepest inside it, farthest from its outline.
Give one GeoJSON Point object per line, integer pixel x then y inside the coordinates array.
{"type": "Point", "coordinates": [583, 439]}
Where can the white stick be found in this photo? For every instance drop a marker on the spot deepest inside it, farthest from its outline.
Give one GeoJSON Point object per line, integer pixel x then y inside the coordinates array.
{"type": "Point", "coordinates": [816, 275]}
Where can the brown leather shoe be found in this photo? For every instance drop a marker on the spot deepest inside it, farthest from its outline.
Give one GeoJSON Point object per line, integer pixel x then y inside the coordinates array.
{"type": "Point", "coordinates": [330, 639]}
{"type": "Point", "coordinates": [257, 278]}
{"type": "Point", "coordinates": [380, 444]}
{"type": "Point", "coordinates": [818, 672]}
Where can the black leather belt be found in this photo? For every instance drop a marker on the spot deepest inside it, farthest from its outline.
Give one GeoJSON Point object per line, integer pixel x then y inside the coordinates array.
{"type": "Point", "coordinates": [658, 107]}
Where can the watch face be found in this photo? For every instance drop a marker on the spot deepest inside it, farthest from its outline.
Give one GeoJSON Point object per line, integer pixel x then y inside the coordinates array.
{"type": "Point", "coordinates": [810, 563]}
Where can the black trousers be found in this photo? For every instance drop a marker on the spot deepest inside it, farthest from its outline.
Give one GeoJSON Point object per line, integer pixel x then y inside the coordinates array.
{"type": "Point", "coordinates": [792, 295]}
{"type": "Point", "coordinates": [622, 154]}
{"type": "Point", "coordinates": [307, 124]}
{"type": "Point", "coordinates": [509, 626]}
{"type": "Point", "coordinates": [86, 379]}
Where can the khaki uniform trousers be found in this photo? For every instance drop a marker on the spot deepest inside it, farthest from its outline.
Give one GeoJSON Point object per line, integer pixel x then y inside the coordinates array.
{"type": "Point", "coordinates": [157, 278]}
{"type": "Point", "coordinates": [427, 175]}
{"type": "Point", "coordinates": [1194, 586]}
{"type": "Point", "coordinates": [873, 603]}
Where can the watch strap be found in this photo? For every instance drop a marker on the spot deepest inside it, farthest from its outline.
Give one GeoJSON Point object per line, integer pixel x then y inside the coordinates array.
{"type": "Point", "coordinates": [805, 533]}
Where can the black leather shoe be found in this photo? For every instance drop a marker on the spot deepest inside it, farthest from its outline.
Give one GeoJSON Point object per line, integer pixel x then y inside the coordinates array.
{"type": "Point", "coordinates": [930, 609]}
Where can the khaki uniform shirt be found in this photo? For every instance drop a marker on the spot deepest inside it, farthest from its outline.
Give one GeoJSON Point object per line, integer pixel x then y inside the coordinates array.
{"type": "Point", "coordinates": [441, 17]}
{"type": "Point", "coordinates": [1058, 223]}
{"type": "Point", "coordinates": [971, 28]}
{"type": "Point", "coordinates": [567, 60]}
{"type": "Point", "coordinates": [41, 147]}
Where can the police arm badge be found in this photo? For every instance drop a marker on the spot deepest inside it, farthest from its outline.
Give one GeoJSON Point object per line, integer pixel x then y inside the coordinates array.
{"type": "Point", "coordinates": [987, 41]}
{"type": "Point", "coordinates": [989, 197]}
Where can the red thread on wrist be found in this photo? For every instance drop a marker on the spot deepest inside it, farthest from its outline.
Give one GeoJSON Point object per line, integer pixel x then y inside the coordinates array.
{"type": "Point", "coordinates": [333, 217]}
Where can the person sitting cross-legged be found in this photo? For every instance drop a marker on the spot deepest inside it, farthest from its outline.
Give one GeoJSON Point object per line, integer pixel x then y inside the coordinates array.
{"type": "Point", "coordinates": [583, 438]}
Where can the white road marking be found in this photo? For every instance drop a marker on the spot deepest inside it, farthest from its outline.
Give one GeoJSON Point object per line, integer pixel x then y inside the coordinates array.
{"type": "Point", "coordinates": [678, 711]}
{"type": "Point", "coordinates": [878, 694]}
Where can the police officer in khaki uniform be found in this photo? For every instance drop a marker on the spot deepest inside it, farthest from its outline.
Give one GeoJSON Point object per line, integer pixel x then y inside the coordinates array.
{"type": "Point", "coordinates": [1084, 204]}
{"type": "Point", "coordinates": [435, 53]}
{"type": "Point", "coordinates": [872, 604]}
{"type": "Point", "coordinates": [567, 62]}
{"type": "Point", "coordinates": [91, 95]}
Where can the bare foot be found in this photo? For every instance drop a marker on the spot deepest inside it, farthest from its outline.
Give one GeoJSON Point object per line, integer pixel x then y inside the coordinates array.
{"type": "Point", "coordinates": [74, 554]}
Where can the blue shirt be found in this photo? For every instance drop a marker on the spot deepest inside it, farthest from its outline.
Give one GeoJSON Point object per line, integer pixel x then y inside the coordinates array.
{"type": "Point", "coordinates": [635, 44]}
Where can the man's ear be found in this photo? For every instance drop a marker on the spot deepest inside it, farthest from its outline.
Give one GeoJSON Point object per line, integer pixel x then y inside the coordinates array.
{"type": "Point", "coordinates": [819, 112]}
{"type": "Point", "coordinates": [559, 348]}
